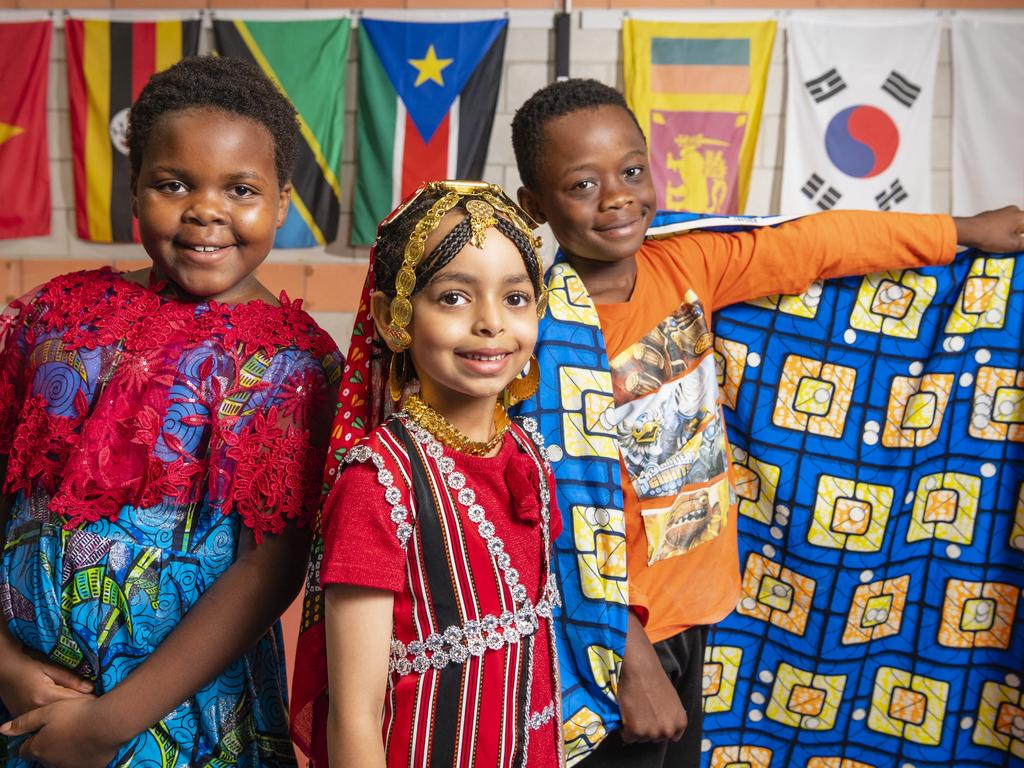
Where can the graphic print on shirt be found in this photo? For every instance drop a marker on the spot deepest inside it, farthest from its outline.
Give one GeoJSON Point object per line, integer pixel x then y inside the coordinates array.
{"type": "Point", "coordinates": [670, 432]}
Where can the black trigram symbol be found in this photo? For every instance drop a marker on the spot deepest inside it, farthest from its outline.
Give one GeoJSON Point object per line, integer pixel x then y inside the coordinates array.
{"type": "Point", "coordinates": [901, 89]}
{"type": "Point", "coordinates": [887, 198]}
{"type": "Point", "coordinates": [827, 199]}
{"type": "Point", "coordinates": [825, 86]}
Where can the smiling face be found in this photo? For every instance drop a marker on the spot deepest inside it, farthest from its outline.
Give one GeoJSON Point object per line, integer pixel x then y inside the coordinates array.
{"type": "Point", "coordinates": [474, 325]}
{"type": "Point", "coordinates": [593, 184]}
{"type": "Point", "coordinates": [209, 203]}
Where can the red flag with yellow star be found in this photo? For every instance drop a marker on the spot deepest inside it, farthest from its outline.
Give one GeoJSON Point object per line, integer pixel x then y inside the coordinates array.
{"type": "Point", "coordinates": [24, 160]}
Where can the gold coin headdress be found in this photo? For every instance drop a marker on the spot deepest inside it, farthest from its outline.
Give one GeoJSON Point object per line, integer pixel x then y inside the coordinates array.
{"type": "Point", "coordinates": [485, 202]}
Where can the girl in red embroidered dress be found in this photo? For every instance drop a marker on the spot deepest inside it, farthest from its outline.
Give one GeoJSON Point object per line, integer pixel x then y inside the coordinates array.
{"type": "Point", "coordinates": [162, 437]}
{"type": "Point", "coordinates": [437, 535]}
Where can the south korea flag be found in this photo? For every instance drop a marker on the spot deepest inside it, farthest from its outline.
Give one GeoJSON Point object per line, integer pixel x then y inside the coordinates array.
{"type": "Point", "coordinates": [859, 116]}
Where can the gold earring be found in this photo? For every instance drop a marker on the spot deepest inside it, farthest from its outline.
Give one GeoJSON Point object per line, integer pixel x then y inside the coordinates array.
{"type": "Point", "coordinates": [396, 378]}
{"type": "Point", "coordinates": [524, 386]}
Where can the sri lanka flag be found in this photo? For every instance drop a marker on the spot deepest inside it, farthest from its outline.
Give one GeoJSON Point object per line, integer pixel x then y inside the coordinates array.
{"type": "Point", "coordinates": [427, 94]}
{"type": "Point", "coordinates": [24, 161]}
{"type": "Point", "coordinates": [108, 63]}
{"type": "Point", "coordinates": [315, 83]}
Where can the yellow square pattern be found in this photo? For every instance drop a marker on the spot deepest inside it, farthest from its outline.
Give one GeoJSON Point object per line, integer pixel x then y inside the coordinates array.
{"type": "Point", "coordinates": [581, 732]}
{"type": "Point", "coordinates": [721, 670]}
{"type": "Point", "coordinates": [836, 501]}
{"type": "Point", "coordinates": [998, 413]}
{"type": "Point", "coordinates": [893, 303]}
{"type": "Point", "coordinates": [764, 578]}
{"type": "Point", "coordinates": [741, 757]}
{"type": "Point", "coordinates": [813, 396]}
{"type": "Point", "coordinates": [730, 362]}
{"type": "Point", "coordinates": [895, 710]}
{"type": "Point", "coordinates": [851, 516]}
{"type": "Point", "coordinates": [601, 553]}
{"type": "Point", "coordinates": [1000, 715]}
{"type": "Point", "coordinates": [569, 301]}
{"type": "Point", "coordinates": [978, 614]}
{"type": "Point", "coordinates": [802, 699]}
{"type": "Point", "coordinates": [836, 762]}
{"type": "Point", "coordinates": [915, 410]}
{"type": "Point", "coordinates": [1017, 530]}
{"type": "Point", "coordinates": [876, 610]}
{"type": "Point", "coordinates": [801, 305]}
{"type": "Point", "coordinates": [982, 302]}
{"type": "Point", "coordinates": [584, 421]}
{"type": "Point", "coordinates": [756, 482]}
{"type": "Point", "coordinates": [945, 507]}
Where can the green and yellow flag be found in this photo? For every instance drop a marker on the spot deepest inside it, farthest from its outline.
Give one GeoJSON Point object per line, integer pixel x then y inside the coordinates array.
{"type": "Point", "coordinates": [697, 90]}
{"type": "Point", "coordinates": [307, 61]}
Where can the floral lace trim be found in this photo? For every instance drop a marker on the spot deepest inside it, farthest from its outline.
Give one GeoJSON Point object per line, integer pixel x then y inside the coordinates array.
{"type": "Point", "coordinates": [538, 719]}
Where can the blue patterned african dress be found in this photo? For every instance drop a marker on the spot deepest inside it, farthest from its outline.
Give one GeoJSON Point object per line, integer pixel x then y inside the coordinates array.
{"type": "Point", "coordinates": [143, 436]}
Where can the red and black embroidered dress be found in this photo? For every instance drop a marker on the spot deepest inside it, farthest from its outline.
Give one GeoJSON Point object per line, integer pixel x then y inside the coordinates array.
{"type": "Point", "coordinates": [464, 542]}
{"type": "Point", "coordinates": [142, 436]}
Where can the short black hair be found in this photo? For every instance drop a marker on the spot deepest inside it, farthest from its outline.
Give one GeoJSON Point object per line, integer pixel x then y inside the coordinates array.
{"type": "Point", "coordinates": [555, 100]}
{"type": "Point", "coordinates": [236, 86]}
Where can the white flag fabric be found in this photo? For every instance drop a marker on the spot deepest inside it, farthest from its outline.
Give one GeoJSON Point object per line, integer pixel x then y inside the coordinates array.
{"type": "Point", "coordinates": [988, 153]}
{"type": "Point", "coordinates": [859, 116]}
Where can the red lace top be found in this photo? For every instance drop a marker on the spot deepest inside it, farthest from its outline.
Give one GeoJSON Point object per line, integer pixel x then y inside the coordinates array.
{"type": "Point", "coordinates": [112, 395]}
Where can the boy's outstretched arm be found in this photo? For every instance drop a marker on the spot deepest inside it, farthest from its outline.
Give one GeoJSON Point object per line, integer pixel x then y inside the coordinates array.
{"type": "Point", "coordinates": [651, 709]}
{"type": "Point", "coordinates": [998, 231]}
{"type": "Point", "coordinates": [227, 621]}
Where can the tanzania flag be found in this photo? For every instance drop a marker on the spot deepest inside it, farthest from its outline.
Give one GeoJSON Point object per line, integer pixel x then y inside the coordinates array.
{"type": "Point", "coordinates": [315, 83]}
{"type": "Point", "coordinates": [24, 162]}
{"type": "Point", "coordinates": [697, 90]}
{"type": "Point", "coordinates": [108, 63]}
{"type": "Point", "coordinates": [427, 94]}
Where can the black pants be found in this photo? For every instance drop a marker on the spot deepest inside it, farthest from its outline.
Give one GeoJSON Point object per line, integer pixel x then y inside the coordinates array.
{"type": "Point", "coordinates": [682, 658]}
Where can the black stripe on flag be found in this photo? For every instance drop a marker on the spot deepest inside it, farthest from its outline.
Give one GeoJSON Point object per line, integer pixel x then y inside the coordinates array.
{"type": "Point", "coordinates": [477, 103]}
{"type": "Point", "coordinates": [827, 199]}
{"type": "Point", "coordinates": [825, 86]}
{"type": "Point", "coordinates": [901, 89]}
{"type": "Point", "coordinates": [120, 99]}
{"type": "Point", "coordinates": [888, 198]}
{"type": "Point", "coordinates": [307, 178]}
{"type": "Point", "coordinates": [190, 37]}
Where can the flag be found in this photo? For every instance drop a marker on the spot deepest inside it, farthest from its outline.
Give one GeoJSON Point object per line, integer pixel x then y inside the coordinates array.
{"type": "Point", "coordinates": [859, 116]}
{"type": "Point", "coordinates": [427, 94]}
{"type": "Point", "coordinates": [697, 90]}
{"type": "Point", "coordinates": [108, 64]}
{"type": "Point", "coordinates": [988, 155]}
{"type": "Point", "coordinates": [877, 430]}
{"type": "Point", "coordinates": [24, 160]}
{"type": "Point", "coordinates": [315, 83]}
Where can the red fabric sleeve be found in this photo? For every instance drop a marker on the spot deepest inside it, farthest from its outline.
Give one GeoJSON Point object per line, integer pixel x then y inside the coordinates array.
{"type": "Point", "coordinates": [361, 546]}
{"type": "Point", "coordinates": [785, 259]}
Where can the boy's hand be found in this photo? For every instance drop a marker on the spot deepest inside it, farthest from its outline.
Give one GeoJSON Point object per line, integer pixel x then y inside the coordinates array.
{"type": "Point", "coordinates": [28, 681]}
{"type": "Point", "coordinates": [651, 710]}
{"type": "Point", "coordinates": [67, 734]}
{"type": "Point", "coordinates": [999, 231]}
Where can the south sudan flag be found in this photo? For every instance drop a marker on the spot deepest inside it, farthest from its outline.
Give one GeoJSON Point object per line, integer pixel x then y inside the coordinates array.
{"type": "Point", "coordinates": [306, 59]}
{"type": "Point", "coordinates": [427, 94]}
{"type": "Point", "coordinates": [108, 63]}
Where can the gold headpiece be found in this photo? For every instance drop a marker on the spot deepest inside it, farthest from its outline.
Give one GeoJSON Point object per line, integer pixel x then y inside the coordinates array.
{"type": "Point", "coordinates": [487, 201]}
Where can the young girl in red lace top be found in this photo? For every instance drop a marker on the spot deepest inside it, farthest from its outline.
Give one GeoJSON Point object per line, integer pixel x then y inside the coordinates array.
{"type": "Point", "coordinates": [436, 565]}
{"type": "Point", "coordinates": [162, 436]}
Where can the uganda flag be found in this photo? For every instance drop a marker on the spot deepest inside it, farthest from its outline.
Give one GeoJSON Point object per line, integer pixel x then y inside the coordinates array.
{"type": "Point", "coordinates": [24, 161]}
{"type": "Point", "coordinates": [108, 63]}
{"type": "Point", "coordinates": [306, 60]}
{"type": "Point", "coordinates": [427, 94]}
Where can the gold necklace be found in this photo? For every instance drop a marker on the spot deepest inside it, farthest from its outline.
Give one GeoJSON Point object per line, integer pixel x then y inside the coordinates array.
{"type": "Point", "coordinates": [448, 434]}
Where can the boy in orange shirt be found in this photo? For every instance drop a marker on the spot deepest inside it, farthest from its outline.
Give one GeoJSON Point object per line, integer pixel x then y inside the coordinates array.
{"type": "Point", "coordinates": [583, 161]}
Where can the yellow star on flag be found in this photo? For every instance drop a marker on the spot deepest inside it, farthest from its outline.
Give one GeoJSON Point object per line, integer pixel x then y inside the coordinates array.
{"type": "Point", "coordinates": [429, 67]}
{"type": "Point", "coordinates": [8, 131]}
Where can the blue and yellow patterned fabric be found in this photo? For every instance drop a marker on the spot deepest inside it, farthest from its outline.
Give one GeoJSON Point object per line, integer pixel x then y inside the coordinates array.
{"type": "Point", "coordinates": [877, 426]}
{"type": "Point", "coordinates": [590, 555]}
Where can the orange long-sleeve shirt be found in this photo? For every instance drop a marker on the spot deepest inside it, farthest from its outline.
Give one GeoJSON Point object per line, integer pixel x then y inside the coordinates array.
{"type": "Point", "coordinates": [681, 543]}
